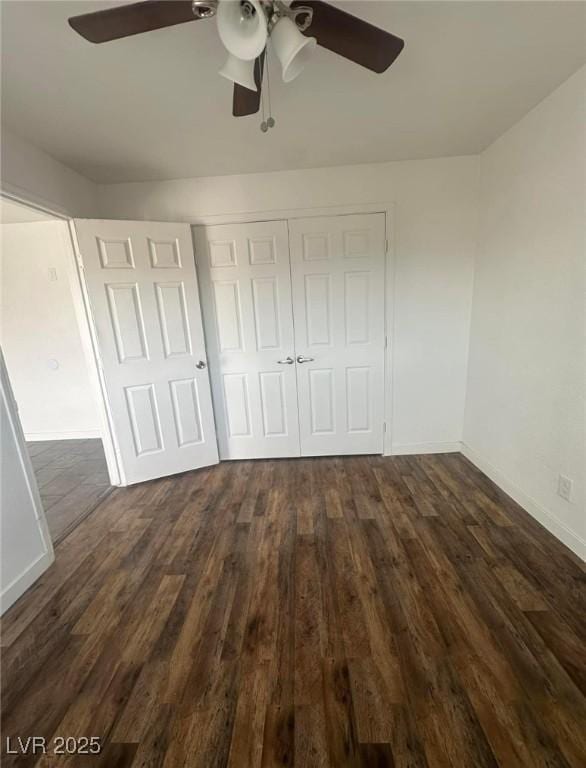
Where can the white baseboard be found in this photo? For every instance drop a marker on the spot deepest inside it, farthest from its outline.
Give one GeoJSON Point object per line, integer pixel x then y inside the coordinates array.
{"type": "Point", "coordinates": [26, 579]}
{"type": "Point", "coordinates": [83, 434]}
{"type": "Point", "coordinates": [534, 508]}
{"type": "Point", "coordinates": [407, 449]}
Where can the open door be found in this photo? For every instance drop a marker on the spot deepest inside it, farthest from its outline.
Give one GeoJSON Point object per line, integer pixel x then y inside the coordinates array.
{"type": "Point", "coordinates": [142, 290]}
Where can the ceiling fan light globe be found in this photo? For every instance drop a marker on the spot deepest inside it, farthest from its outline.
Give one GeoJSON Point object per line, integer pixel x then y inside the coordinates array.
{"type": "Point", "coordinates": [239, 71]}
{"type": "Point", "coordinates": [244, 36]}
{"type": "Point", "coordinates": [292, 48]}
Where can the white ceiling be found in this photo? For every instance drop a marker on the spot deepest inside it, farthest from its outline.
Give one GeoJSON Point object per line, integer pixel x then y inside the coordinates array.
{"type": "Point", "coordinates": [14, 213]}
{"type": "Point", "coordinates": [153, 106]}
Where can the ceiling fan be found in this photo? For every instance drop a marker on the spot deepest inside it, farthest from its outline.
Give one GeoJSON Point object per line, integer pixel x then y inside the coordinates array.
{"type": "Point", "coordinates": [245, 26]}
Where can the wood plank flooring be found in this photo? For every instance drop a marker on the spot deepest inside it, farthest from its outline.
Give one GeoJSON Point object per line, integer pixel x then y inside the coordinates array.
{"type": "Point", "coordinates": [72, 477]}
{"type": "Point", "coordinates": [359, 611]}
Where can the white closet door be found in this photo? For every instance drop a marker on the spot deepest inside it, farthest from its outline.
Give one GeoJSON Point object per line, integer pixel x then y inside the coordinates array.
{"type": "Point", "coordinates": [338, 276]}
{"type": "Point", "coordinates": [143, 293]}
{"type": "Point", "coordinates": [246, 297]}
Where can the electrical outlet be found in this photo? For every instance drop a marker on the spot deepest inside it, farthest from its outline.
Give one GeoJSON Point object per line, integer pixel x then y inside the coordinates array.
{"type": "Point", "coordinates": [52, 274]}
{"type": "Point", "coordinates": [565, 487]}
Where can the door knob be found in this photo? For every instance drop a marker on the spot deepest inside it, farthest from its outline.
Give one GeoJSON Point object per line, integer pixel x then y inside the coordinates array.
{"type": "Point", "coordinates": [286, 361]}
{"type": "Point", "coordinates": [201, 365]}
{"type": "Point", "coordinates": [301, 359]}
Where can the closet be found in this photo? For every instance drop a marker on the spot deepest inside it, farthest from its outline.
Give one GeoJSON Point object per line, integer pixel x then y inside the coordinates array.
{"type": "Point", "coordinates": [294, 317]}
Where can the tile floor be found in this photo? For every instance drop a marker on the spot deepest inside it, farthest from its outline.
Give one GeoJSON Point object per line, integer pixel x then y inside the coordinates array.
{"type": "Point", "coordinates": [72, 478]}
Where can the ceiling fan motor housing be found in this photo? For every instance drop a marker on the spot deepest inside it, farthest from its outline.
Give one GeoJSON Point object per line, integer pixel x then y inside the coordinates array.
{"type": "Point", "coordinates": [204, 9]}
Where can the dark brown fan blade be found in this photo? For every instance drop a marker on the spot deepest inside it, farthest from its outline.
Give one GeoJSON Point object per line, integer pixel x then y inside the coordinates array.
{"type": "Point", "coordinates": [126, 20]}
{"type": "Point", "coordinates": [245, 101]}
{"type": "Point", "coordinates": [351, 37]}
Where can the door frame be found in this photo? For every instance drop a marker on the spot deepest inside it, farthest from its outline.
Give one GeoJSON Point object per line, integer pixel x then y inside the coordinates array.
{"type": "Point", "coordinates": [388, 209]}
{"type": "Point", "coordinates": [85, 327]}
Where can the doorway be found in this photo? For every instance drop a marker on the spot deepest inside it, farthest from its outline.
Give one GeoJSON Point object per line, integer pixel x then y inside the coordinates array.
{"type": "Point", "coordinates": [307, 293]}
{"type": "Point", "coordinates": [47, 367]}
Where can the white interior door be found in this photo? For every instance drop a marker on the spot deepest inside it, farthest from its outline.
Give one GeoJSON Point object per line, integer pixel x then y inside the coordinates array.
{"type": "Point", "coordinates": [338, 277]}
{"type": "Point", "coordinates": [142, 289]}
{"type": "Point", "coordinates": [246, 297]}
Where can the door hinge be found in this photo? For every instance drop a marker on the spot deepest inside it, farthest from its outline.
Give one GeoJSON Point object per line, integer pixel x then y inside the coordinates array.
{"type": "Point", "coordinates": [384, 426]}
{"type": "Point", "coordinates": [386, 341]}
{"type": "Point", "coordinates": [387, 245]}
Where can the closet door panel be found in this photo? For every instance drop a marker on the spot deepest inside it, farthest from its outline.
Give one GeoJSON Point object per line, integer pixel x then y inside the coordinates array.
{"type": "Point", "coordinates": [338, 271]}
{"type": "Point", "coordinates": [246, 298]}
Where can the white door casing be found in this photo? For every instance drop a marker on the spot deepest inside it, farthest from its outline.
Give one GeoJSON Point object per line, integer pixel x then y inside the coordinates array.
{"type": "Point", "coordinates": [142, 288]}
{"type": "Point", "coordinates": [338, 285]}
{"type": "Point", "coordinates": [246, 299]}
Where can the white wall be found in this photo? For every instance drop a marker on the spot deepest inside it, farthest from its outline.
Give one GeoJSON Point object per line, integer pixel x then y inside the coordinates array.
{"type": "Point", "coordinates": [31, 174]}
{"type": "Point", "coordinates": [525, 401]}
{"type": "Point", "coordinates": [39, 325]}
{"type": "Point", "coordinates": [26, 549]}
{"type": "Point", "coordinates": [434, 241]}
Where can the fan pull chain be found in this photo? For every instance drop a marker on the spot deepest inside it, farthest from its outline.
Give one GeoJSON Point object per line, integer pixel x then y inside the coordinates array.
{"type": "Point", "coordinates": [263, 126]}
{"type": "Point", "coordinates": [270, 121]}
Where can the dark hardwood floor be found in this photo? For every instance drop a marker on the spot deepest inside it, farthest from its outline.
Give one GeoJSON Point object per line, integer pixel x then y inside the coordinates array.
{"type": "Point", "coordinates": [314, 612]}
{"type": "Point", "coordinates": [72, 477]}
